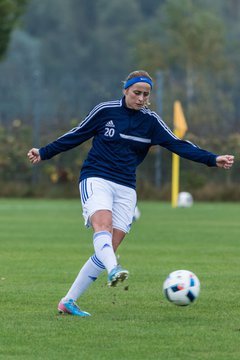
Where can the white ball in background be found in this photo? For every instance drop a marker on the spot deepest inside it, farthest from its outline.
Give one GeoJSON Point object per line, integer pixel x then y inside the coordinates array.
{"type": "Point", "coordinates": [137, 214]}
{"type": "Point", "coordinates": [185, 199]}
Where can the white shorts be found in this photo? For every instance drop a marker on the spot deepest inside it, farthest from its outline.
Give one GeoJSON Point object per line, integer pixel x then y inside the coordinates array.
{"type": "Point", "coordinates": [100, 194]}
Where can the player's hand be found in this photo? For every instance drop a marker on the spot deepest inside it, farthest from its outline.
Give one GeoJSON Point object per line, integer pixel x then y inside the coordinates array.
{"type": "Point", "coordinates": [34, 156]}
{"type": "Point", "coordinates": [225, 161]}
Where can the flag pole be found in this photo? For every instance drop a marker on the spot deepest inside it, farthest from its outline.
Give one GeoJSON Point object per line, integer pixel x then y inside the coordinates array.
{"type": "Point", "coordinates": [175, 179]}
{"type": "Point", "coordinates": [180, 128]}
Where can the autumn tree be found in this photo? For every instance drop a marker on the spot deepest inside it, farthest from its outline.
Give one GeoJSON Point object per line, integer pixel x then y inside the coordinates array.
{"type": "Point", "coordinates": [10, 11]}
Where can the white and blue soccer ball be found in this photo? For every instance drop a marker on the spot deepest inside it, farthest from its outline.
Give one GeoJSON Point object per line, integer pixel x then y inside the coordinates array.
{"type": "Point", "coordinates": [181, 287]}
{"type": "Point", "coordinates": [185, 199]}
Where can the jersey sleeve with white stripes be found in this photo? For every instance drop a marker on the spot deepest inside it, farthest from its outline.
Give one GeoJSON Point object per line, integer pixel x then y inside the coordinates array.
{"type": "Point", "coordinates": [163, 136]}
{"type": "Point", "coordinates": [76, 136]}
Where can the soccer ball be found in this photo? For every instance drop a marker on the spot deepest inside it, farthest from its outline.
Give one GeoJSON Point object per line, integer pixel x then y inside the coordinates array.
{"type": "Point", "coordinates": [182, 287]}
{"type": "Point", "coordinates": [137, 214]}
{"type": "Point", "coordinates": [185, 199]}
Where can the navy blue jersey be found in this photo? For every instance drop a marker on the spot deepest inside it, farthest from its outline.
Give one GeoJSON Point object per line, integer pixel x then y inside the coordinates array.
{"type": "Point", "coordinates": [121, 140]}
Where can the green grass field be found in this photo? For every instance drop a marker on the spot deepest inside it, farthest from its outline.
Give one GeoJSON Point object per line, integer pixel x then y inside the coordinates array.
{"type": "Point", "coordinates": [43, 244]}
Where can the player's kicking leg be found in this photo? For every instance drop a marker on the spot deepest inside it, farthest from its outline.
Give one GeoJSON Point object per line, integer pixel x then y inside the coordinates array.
{"type": "Point", "coordinates": [118, 274]}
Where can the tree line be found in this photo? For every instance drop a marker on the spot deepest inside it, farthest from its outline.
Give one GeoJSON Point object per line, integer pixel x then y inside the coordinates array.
{"type": "Point", "coordinates": [65, 57]}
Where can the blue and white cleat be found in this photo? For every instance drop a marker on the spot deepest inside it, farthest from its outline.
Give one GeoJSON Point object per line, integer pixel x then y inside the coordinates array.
{"type": "Point", "coordinates": [116, 275]}
{"type": "Point", "coordinates": [70, 307]}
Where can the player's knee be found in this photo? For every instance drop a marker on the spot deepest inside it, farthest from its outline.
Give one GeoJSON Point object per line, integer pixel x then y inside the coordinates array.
{"type": "Point", "coordinates": [102, 227]}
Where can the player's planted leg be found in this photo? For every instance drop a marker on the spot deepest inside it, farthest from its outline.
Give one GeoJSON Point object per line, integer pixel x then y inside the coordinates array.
{"type": "Point", "coordinates": [87, 275]}
{"type": "Point", "coordinates": [70, 307]}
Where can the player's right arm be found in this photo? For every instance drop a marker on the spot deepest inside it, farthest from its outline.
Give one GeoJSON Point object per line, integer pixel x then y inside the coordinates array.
{"type": "Point", "coordinates": [34, 156]}
{"type": "Point", "coordinates": [84, 131]}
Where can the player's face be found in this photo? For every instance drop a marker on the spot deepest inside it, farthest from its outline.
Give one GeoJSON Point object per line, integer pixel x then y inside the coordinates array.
{"type": "Point", "coordinates": [137, 95]}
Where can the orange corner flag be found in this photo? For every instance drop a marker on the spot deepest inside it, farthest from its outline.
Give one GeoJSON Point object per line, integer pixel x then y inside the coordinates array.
{"type": "Point", "coordinates": [179, 121]}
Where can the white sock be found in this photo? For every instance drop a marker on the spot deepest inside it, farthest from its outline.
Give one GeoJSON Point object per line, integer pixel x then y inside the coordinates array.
{"type": "Point", "coordinates": [87, 275]}
{"type": "Point", "coordinates": [102, 242]}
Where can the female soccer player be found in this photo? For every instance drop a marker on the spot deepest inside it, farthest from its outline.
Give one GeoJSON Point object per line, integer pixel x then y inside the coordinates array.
{"type": "Point", "coordinates": [123, 132]}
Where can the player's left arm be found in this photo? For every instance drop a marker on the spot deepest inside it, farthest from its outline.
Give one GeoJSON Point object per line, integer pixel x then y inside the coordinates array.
{"type": "Point", "coordinates": [225, 161]}
{"type": "Point", "coordinates": [166, 138]}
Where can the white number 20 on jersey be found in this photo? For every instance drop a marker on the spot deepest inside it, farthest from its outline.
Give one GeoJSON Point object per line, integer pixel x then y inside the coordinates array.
{"type": "Point", "coordinates": [109, 132]}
